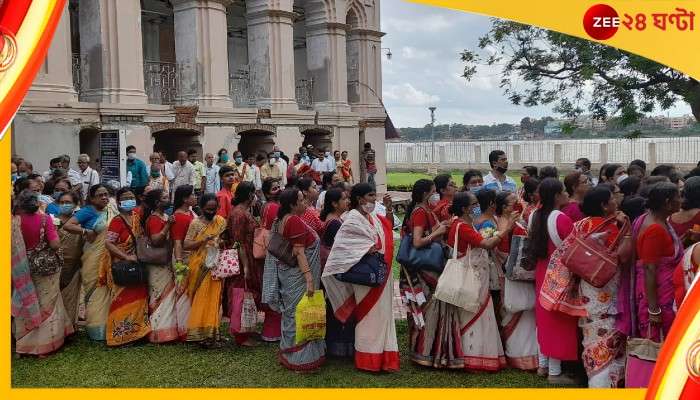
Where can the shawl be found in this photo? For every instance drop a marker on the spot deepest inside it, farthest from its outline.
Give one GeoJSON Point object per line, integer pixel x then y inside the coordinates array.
{"type": "Point", "coordinates": [25, 302]}
{"type": "Point", "coordinates": [353, 240]}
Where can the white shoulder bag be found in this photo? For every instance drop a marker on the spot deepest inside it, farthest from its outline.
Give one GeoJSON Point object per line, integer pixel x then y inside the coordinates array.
{"type": "Point", "coordinates": [459, 284]}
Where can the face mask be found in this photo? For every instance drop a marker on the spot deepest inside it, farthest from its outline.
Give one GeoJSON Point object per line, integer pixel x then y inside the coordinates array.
{"type": "Point", "coordinates": [166, 205]}
{"type": "Point", "coordinates": [434, 199]}
{"type": "Point", "coordinates": [209, 215]}
{"type": "Point", "coordinates": [501, 170]}
{"type": "Point", "coordinates": [368, 208]}
{"type": "Point", "coordinates": [14, 177]}
{"type": "Point", "coordinates": [475, 212]}
{"type": "Point", "coordinates": [277, 155]}
{"type": "Point", "coordinates": [127, 205]}
{"type": "Point", "coordinates": [56, 195]}
{"type": "Point", "coordinates": [131, 156]}
{"type": "Point", "coordinates": [155, 173]}
{"type": "Point", "coordinates": [475, 189]}
{"type": "Point", "coordinates": [621, 178]}
{"type": "Point", "coordinates": [272, 161]}
{"type": "Point", "coordinates": [169, 211]}
{"type": "Point", "coordinates": [66, 209]}
{"type": "Point", "coordinates": [239, 160]}
{"type": "Point", "coordinates": [224, 158]}
{"type": "Point", "coordinates": [45, 199]}
{"type": "Point", "coordinates": [328, 154]}
{"type": "Point", "coordinates": [23, 175]}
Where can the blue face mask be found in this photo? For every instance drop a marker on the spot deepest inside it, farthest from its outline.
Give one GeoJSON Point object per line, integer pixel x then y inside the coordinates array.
{"type": "Point", "coordinates": [475, 212]}
{"type": "Point", "coordinates": [66, 209]}
{"type": "Point", "coordinates": [476, 189]}
{"type": "Point", "coordinates": [239, 160]}
{"type": "Point", "coordinates": [169, 211]}
{"type": "Point", "coordinates": [14, 177]}
{"type": "Point", "coordinates": [57, 195]}
{"type": "Point", "coordinates": [127, 205]}
{"type": "Point", "coordinates": [224, 158]}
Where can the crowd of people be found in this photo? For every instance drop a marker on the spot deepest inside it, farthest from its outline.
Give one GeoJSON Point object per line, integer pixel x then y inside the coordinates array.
{"type": "Point", "coordinates": [546, 318]}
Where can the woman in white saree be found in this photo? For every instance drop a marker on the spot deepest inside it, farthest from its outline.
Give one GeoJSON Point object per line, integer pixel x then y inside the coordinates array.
{"type": "Point", "coordinates": [362, 232]}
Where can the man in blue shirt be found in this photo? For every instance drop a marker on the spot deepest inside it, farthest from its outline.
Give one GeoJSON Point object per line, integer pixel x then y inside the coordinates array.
{"type": "Point", "coordinates": [497, 179]}
{"type": "Point", "coordinates": [139, 172]}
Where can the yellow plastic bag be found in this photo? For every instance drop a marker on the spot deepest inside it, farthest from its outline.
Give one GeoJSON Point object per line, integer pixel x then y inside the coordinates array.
{"type": "Point", "coordinates": [310, 318]}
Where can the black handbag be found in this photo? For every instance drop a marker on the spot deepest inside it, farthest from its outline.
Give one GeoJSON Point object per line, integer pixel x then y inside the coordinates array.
{"type": "Point", "coordinates": [280, 247]}
{"type": "Point", "coordinates": [371, 271]}
{"type": "Point", "coordinates": [129, 273]}
{"type": "Point", "coordinates": [429, 258]}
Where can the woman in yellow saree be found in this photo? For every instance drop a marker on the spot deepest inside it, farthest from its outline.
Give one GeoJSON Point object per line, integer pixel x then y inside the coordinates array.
{"type": "Point", "coordinates": [91, 223]}
{"type": "Point", "coordinates": [205, 292]}
{"type": "Point", "coordinates": [127, 320]}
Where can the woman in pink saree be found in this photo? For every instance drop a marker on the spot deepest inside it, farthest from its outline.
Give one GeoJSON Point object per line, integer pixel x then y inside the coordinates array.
{"type": "Point", "coordinates": [376, 348]}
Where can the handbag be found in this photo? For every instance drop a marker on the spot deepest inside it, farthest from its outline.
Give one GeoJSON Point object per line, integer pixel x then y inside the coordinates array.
{"type": "Point", "coordinates": [261, 239]}
{"type": "Point", "coordinates": [371, 271]}
{"type": "Point", "coordinates": [590, 259]}
{"type": "Point", "coordinates": [459, 284]}
{"type": "Point", "coordinates": [243, 312]}
{"type": "Point", "coordinates": [43, 260]}
{"type": "Point", "coordinates": [518, 296]}
{"type": "Point", "coordinates": [520, 266]}
{"type": "Point", "coordinates": [429, 258]}
{"type": "Point", "coordinates": [149, 254]}
{"type": "Point", "coordinates": [641, 359]}
{"type": "Point", "coordinates": [227, 264]}
{"type": "Point", "coordinates": [280, 247]}
{"type": "Point", "coordinates": [129, 273]}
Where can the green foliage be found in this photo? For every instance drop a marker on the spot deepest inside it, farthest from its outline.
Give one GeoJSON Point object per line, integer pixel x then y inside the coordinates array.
{"type": "Point", "coordinates": [542, 67]}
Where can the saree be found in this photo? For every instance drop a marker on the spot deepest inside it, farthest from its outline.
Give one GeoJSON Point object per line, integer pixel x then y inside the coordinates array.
{"type": "Point", "coordinates": [161, 294]}
{"type": "Point", "coordinates": [519, 339]}
{"type": "Point", "coordinates": [241, 228]}
{"type": "Point", "coordinates": [603, 345]}
{"type": "Point", "coordinates": [376, 347]}
{"type": "Point", "coordinates": [283, 288]}
{"type": "Point", "coordinates": [41, 323]}
{"type": "Point", "coordinates": [97, 297]}
{"type": "Point", "coordinates": [203, 322]}
{"type": "Point", "coordinates": [127, 320]}
{"type": "Point", "coordinates": [71, 245]}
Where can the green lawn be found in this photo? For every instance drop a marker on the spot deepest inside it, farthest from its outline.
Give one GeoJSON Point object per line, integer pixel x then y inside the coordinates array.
{"type": "Point", "coordinates": [83, 363]}
{"type": "Point", "coordinates": [408, 178]}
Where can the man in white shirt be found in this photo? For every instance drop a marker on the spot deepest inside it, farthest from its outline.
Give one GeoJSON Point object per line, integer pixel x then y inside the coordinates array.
{"type": "Point", "coordinates": [184, 172]}
{"type": "Point", "coordinates": [283, 165]}
{"type": "Point", "coordinates": [253, 173]}
{"type": "Point", "coordinates": [213, 183]}
{"type": "Point", "coordinates": [322, 164]}
{"type": "Point", "coordinates": [89, 177]}
{"type": "Point", "coordinates": [497, 179]}
{"type": "Point", "coordinates": [73, 175]}
{"type": "Point", "coordinates": [54, 164]}
{"type": "Point", "coordinates": [167, 168]}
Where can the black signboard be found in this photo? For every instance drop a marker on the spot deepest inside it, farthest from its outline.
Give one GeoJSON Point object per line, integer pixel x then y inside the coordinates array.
{"type": "Point", "coordinates": [109, 156]}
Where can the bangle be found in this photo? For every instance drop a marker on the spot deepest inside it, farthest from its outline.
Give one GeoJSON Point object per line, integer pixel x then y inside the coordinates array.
{"type": "Point", "coordinates": [654, 312]}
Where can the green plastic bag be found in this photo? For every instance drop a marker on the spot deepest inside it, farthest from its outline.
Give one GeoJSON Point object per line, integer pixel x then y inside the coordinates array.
{"type": "Point", "coordinates": [310, 318]}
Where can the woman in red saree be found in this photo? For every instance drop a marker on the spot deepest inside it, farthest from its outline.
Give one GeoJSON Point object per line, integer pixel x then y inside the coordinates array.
{"type": "Point", "coordinates": [689, 215]}
{"type": "Point", "coordinates": [557, 333]}
{"type": "Point", "coordinates": [659, 250]}
{"type": "Point", "coordinates": [183, 216]}
{"type": "Point", "coordinates": [127, 320]}
{"type": "Point", "coordinates": [363, 232]}
{"type": "Point", "coordinates": [446, 189]}
{"type": "Point", "coordinates": [241, 229]}
{"type": "Point", "coordinates": [603, 345]}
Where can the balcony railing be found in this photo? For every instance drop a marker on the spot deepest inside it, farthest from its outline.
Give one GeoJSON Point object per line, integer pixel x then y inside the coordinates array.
{"type": "Point", "coordinates": [76, 68]}
{"type": "Point", "coordinates": [304, 93]}
{"type": "Point", "coordinates": [161, 82]}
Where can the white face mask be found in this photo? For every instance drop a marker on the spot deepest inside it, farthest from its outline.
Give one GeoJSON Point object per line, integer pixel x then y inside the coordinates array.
{"type": "Point", "coordinates": [434, 199]}
{"type": "Point", "coordinates": [131, 156]}
{"type": "Point", "coordinates": [272, 161]}
{"type": "Point", "coordinates": [621, 178]}
{"type": "Point", "coordinates": [368, 208]}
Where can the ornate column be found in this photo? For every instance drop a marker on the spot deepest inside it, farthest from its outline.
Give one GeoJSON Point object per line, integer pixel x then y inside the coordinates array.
{"type": "Point", "coordinates": [201, 51]}
{"type": "Point", "coordinates": [326, 55]}
{"type": "Point", "coordinates": [110, 43]}
{"type": "Point", "coordinates": [365, 69]}
{"type": "Point", "coordinates": [54, 81]}
{"type": "Point", "coordinates": [271, 53]}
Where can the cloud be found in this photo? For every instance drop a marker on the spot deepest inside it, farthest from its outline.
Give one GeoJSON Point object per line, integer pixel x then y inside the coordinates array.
{"type": "Point", "coordinates": [412, 53]}
{"type": "Point", "coordinates": [407, 95]}
{"type": "Point", "coordinates": [428, 23]}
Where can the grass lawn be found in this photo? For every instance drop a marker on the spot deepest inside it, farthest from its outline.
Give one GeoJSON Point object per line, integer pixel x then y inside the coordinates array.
{"type": "Point", "coordinates": [82, 363]}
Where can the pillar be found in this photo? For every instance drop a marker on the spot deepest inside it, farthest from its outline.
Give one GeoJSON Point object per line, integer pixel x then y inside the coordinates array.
{"type": "Point", "coordinates": [603, 153]}
{"type": "Point", "coordinates": [201, 51]}
{"type": "Point", "coordinates": [326, 55]}
{"type": "Point", "coordinates": [516, 156]}
{"type": "Point", "coordinates": [110, 43]}
{"type": "Point", "coordinates": [365, 69]}
{"type": "Point", "coordinates": [557, 155]}
{"type": "Point", "coordinates": [271, 54]}
{"type": "Point", "coordinates": [54, 81]}
{"type": "Point", "coordinates": [652, 155]}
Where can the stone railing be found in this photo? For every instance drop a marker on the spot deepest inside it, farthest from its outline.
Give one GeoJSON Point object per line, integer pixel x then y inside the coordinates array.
{"type": "Point", "coordinates": [681, 151]}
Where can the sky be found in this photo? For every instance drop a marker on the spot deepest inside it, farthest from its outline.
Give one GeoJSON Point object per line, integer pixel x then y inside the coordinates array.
{"type": "Point", "coordinates": [425, 70]}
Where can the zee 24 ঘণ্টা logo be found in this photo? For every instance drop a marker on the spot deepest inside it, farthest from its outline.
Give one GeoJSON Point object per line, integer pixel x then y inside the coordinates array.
{"type": "Point", "coordinates": [601, 21]}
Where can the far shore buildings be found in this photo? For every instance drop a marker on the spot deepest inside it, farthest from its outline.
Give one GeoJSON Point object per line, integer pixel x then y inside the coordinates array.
{"type": "Point", "coordinates": [206, 74]}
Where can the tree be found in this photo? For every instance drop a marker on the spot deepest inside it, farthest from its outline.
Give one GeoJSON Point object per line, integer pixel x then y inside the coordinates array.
{"type": "Point", "coordinates": [572, 73]}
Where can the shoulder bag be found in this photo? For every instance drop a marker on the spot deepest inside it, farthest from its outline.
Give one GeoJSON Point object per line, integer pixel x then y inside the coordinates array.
{"type": "Point", "coordinates": [429, 258]}
{"type": "Point", "coordinates": [520, 266]}
{"type": "Point", "coordinates": [129, 273]}
{"type": "Point", "coordinates": [459, 284]}
{"type": "Point", "coordinates": [590, 259]}
{"type": "Point", "coordinates": [370, 271]}
{"type": "Point", "coordinates": [150, 254]}
{"type": "Point", "coordinates": [43, 260]}
{"type": "Point", "coordinates": [280, 247]}
{"type": "Point", "coordinates": [227, 264]}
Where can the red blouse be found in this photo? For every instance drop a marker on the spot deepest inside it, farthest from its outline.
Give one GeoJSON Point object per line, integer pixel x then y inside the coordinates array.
{"type": "Point", "coordinates": [442, 209]}
{"type": "Point", "coordinates": [653, 244]}
{"type": "Point", "coordinates": [269, 214]}
{"type": "Point", "coordinates": [298, 232]}
{"type": "Point", "coordinates": [154, 225]}
{"type": "Point", "coordinates": [468, 236]}
{"type": "Point", "coordinates": [178, 230]}
{"type": "Point", "coordinates": [420, 217]}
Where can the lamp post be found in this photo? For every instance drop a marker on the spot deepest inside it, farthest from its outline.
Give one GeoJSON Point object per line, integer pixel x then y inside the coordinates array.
{"type": "Point", "coordinates": [432, 134]}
